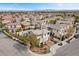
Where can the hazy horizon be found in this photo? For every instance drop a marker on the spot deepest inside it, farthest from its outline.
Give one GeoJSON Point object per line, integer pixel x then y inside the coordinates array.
{"type": "Point", "coordinates": [39, 6]}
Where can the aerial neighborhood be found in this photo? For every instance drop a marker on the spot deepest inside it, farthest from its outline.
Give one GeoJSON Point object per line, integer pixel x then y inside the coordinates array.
{"type": "Point", "coordinates": [39, 30]}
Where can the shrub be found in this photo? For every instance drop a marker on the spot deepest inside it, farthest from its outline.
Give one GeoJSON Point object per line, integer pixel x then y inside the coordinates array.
{"type": "Point", "coordinates": [18, 30]}
{"type": "Point", "coordinates": [52, 21]}
{"type": "Point", "coordinates": [76, 18]}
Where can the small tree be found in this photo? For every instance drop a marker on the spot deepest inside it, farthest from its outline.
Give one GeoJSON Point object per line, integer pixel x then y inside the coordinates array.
{"type": "Point", "coordinates": [18, 30]}
{"type": "Point", "coordinates": [22, 20]}
{"type": "Point", "coordinates": [1, 24]}
{"type": "Point", "coordinates": [77, 19]}
{"type": "Point", "coordinates": [30, 39]}
{"type": "Point", "coordinates": [52, 21]}
{"type": "Point", "coordinates": [33, 40]}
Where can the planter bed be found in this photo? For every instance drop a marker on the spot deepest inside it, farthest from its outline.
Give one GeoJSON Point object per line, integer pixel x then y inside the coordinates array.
{"type": "Point", "coordinates": [12, 37]}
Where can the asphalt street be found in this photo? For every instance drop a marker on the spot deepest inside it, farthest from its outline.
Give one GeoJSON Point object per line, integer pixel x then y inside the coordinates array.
{"type": "Point", "coordinates": [71, 49]}
{"type": "Point", "coordinates": [9, 47]}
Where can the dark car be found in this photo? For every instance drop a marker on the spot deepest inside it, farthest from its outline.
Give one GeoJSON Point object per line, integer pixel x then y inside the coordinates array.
{"type": "Point", "coordinates": [76, 36]}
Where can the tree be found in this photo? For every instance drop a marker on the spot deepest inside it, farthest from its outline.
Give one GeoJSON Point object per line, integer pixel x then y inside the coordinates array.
{"type": "Point", "coordinates": [1, 24]}
{"type": "Point", "coordinates": [52, 21]}
{"type": "Point", "coordinates": [22, 20]}
{"type": "Point", "coordinates": [77, 19]}
{"type": "Point", "coordinates": [33, 40]}
{"type": "Point", "coordinates": [18, 30]}
{"type": "Point", "coordinates": [30, 39]}
{"type": "Point", "coordinates": [70, 30]}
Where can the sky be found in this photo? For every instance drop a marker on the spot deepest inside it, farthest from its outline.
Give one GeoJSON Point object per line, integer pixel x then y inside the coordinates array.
{"type": "Point", "coordinates": [39, 6]}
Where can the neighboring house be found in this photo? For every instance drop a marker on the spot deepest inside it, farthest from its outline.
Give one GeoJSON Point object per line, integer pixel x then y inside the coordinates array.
{"type": "Point", "coordinates": [6, 21]}
{"type": "Point", "coordinates": [13, 27]}
{"type": "Point", "coordinates": [41, 34]}
{"type": "Point", "coordinates": [25, 25]}
{"type": "Point", "coordinates": [58, 29]}
{"type": "Point", "coordinates": [61, 26]}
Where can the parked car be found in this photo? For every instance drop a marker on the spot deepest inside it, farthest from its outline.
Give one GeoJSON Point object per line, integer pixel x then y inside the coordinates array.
{"type": "Point", "coordinates": [76, 36]}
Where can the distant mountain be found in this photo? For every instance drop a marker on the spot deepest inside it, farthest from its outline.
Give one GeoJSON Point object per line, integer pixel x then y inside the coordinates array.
{"type": "Point", "coordinates": [42, 10]}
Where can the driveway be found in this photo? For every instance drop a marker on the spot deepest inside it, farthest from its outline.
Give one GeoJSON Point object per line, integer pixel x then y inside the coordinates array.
{"type": "Point", "coordinates": [9, 47]}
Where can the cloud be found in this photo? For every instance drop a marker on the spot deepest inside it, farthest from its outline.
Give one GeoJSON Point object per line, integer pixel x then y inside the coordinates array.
{"type": "Point", "coordinates": [67, 6]}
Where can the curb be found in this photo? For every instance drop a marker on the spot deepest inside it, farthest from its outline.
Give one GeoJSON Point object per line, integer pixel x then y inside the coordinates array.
{"type": "Point", "coordinates": [52, 52]}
